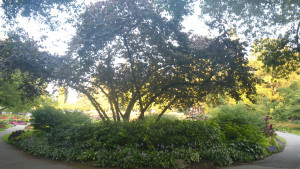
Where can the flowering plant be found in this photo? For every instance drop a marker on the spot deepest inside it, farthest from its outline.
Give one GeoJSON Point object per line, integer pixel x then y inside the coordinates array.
{"type": "Point", "coordinates": [268, 129]}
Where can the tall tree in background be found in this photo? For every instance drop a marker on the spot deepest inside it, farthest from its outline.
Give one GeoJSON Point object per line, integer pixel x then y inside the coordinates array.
{"type": "Point", "coordinates": [130, 51]}
{"type": "Point", "coordinates": [13, 97]}
{"type": "Point", "coordinates": [256, 19]}
{"type": "Point", "coordinates": [278, 60]}
{"type": "Point", "coordinates": [278, 57]}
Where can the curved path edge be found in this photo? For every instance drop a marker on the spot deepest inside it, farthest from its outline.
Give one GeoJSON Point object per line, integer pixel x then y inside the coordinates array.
{"type": "Point", "coordinates": [288, 159]}
{"type": "Point", "coordinates": [13, 158]}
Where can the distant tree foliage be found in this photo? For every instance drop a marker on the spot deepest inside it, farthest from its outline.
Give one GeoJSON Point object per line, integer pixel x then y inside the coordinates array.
{"type": "Point", "coordinates": [255, 18]}
{"type": "Point", "coordinates": [288, 107]}
{"type": "Point", "coordinates": [13, 95]}
{"type": "Point", "coordinates": [277, 56]}
{"type": "Point", "coordinates": [130, 51]}
{"type": "Point", "coordinates": [29, 8]}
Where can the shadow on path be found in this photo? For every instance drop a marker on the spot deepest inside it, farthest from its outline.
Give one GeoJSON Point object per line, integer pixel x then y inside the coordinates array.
{"type": "Point", "coordinates": [288, 159]}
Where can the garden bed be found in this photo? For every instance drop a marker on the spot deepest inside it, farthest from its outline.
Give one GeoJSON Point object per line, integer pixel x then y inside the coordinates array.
{"type": "Point", "coordinates": [222, 140]}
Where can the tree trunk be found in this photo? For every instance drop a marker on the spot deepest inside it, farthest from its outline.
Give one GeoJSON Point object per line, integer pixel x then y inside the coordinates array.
{"type": "Point", "coordinates": [165, 109]}
{"type": "Point", "coordinates": [3, 108]}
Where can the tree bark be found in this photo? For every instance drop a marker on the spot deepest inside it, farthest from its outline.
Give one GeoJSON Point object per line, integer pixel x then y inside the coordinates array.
{"type": "Point", "coordinates": [97, 106]}
{"type": "Point", "coordinates": [133, 75]}
{"type": "Point", "coordinates": [297, 37]}
{"type": "Point", "coordinates": [165, 109]}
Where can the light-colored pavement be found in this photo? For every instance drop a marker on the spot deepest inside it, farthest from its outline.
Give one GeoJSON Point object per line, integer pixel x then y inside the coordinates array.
{"type": "Point", "coordinates": [13, 158]}
{"type": "Point", "coordinates": [288, 159]}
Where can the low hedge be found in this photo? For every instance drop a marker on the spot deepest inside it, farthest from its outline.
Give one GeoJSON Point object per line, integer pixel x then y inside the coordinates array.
{"type": "Point", "coordinates": [112, 144]}
{"type": "Point", "coordinates": [146, 143]}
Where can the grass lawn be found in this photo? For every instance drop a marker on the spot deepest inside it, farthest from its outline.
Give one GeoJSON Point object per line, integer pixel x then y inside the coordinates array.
{"type": "Point", "coordinates": [5, 137]}
{"type": "Point", "coordinates": [291, 127]}
{"type": "Point", "coordinates": [2, 129]}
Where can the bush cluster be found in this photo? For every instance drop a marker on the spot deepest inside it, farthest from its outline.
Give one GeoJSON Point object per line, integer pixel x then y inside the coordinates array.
{"type": "Point", "coordinates": [15, 136]}
{"type": "Point", "coordinates": [288, 107]}
{"type": "Point", "coordinates": [245, 132]}
{"type": "Point", "coordinates": [146, 143]}
{"type": "Point", "coordinates": [48, 118]}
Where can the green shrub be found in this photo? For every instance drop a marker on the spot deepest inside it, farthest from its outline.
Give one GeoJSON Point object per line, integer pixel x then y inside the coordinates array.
{"type": "Point", "coordinates": [2, 123]}
{"type": "Point", "coordinates": [14, 138]}
{"type": "Point", "coordinates": [48, 118]}
{"type": "Point", "coordinates": [130, 144]}
{"type": "Point", "coordinates": [239, 114]}
{"type": "Point", "coordinates": [146, 143]}
{"type": "Point", "coordinates": [153, 117]}
{"type": "Point", "coordinates": [243, 131]}
{"type": "Point", "coordinates": [289, 107]}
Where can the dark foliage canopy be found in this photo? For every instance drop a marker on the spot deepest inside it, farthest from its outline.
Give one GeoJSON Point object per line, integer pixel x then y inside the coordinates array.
{"type": "Point", "coordinates": [24, 70]}
{"type": "Point", "coordinates": [256, 18]}
{"type": "Point", "coordinates": [136, 56]}
{"type": "Point", "coordinates": [29, 8]}
{"type": "Point", "coordinates": [278, 56]}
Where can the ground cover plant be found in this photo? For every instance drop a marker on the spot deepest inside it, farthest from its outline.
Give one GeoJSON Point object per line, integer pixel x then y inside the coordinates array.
{"type": "Point", "coordinates": [148, 143]}
{"type": "Point", "coordinates": [5, 138]}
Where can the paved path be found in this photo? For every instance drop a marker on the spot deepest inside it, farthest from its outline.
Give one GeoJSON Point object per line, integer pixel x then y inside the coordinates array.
{"type": "Point", "coordinates": [288, 159]}
{"type": "Point", "coordinates": [13, 158]}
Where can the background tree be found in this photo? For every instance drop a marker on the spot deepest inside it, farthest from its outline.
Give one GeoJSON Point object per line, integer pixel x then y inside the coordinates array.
{"type": "Point", "coordinates": [134, 55]}
{"type": "Point", "coordinates": [255, 19]}
{"type": "Point", "coordinates": [24, 72]}
{"type": "Point", "coordinates": [277, 60]}
{"type": "Point", "coordinates": [41, 10]}
{"type": "Point", "coordinates": [13, 96]}
{"type": "Point", "coordinates": [288, 106]}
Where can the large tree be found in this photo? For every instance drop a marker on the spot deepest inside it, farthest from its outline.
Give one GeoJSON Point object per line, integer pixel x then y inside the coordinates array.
{"type": "Point", "coordinates": [276, 63]}
{"type": "Point", "coordinates": [136, 55]}
{"type": "Point", "coordinates": [24, 72]}
{"type": "Point", "coordinates": [277, 56]}
{"type": "Point", "coordinates": [13, 95]}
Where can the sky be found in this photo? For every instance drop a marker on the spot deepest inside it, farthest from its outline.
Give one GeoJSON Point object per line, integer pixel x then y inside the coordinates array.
{"type": "Point", "coordinates": [56, 42]}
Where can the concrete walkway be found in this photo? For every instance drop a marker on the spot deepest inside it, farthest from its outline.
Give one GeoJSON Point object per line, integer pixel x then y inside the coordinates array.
{"type": "Point", "coordinates": [13, 158]}
{"type": "Point", "coordinates": [288, 159]}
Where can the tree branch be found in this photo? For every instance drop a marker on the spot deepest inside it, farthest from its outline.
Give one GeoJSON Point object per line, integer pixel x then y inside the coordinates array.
{"type": "Point", "coordinates": [94, 102]}
{"type": "Point", "coordinates": [165, 109]}
{"type": "Point", "coordinates": [133, 76]}
{"type": "Point", "coordinates": [297, 37]}
{"type": "Point", "coordinates": [163, 89]}
{"type": "Point", "coordinates": [113, 104]}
